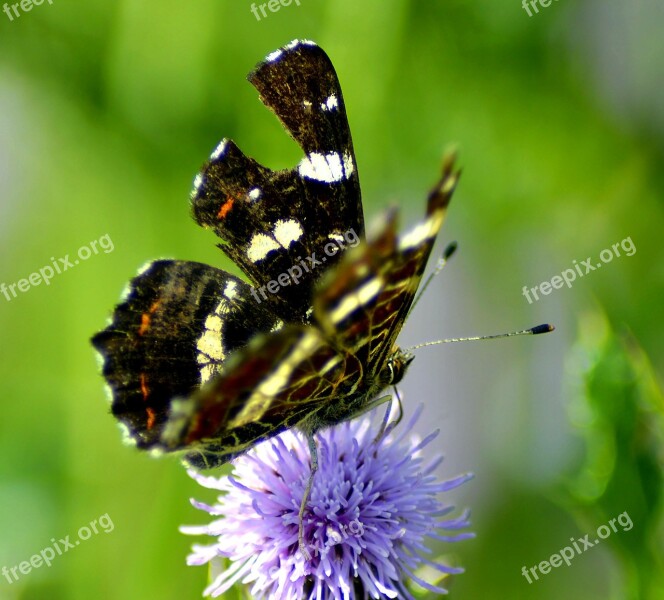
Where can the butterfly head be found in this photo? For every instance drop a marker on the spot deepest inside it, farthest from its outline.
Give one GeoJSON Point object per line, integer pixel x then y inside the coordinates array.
{"type": "Point", "coordinates": [395, 367]}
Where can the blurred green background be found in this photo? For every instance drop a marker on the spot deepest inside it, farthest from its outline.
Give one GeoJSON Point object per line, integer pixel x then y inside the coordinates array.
{"type": "Point", "coordinates": [107, 111]}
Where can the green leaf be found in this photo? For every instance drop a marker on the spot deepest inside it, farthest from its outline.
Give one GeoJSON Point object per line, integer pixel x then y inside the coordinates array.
{"type": "Point", "coordinates": [619, 414]}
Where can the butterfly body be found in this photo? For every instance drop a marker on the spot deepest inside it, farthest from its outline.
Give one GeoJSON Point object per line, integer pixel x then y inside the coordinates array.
{"type": "Point", "coordinates": [345, 407]}
{"type": "Point", "coordinates": [205, 363]}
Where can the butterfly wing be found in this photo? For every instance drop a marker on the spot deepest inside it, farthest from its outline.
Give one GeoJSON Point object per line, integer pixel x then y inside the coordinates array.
{"type": "Point", "coordinates": [363, 303]}
{"type": "Point", "coordinates": [276, 382]}
{"type": "Point", "coordinates": [270, 222]}
{"type": "Point", "coordinates": [177, 324]}
{"type": "Point", "coordinates": [283, 379]}
{"type": "Point", "coordinates": [196, 360]}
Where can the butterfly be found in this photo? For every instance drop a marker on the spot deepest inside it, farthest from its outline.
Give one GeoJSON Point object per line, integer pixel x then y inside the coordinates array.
{"type": "Point", "coordinates": [202, 362]}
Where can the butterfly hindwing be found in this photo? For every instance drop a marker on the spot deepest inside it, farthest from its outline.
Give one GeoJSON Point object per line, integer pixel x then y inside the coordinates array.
{"type": "Point", "coordinates": [177, 324]}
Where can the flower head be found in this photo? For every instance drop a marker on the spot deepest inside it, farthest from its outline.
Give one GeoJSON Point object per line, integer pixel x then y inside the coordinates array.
{"type": "Point", "coordinates": [372, 507]}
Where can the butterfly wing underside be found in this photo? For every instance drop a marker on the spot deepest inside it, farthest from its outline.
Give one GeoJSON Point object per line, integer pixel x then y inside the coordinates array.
{"type": "Point", "coordinates": [270, 221]}
{"type": "Point", "coordinates": [180, 322]}
{"type": "Point", "coordinates": [171, 334]}
{"type": "Point", "coordinates": [278, 381]}
{"type": "Point", "coordinates": [196, 362]}
{"type": "Point", "coordinates": [364, 303]}
{"type": "Point", "coordinates": [283, 379]}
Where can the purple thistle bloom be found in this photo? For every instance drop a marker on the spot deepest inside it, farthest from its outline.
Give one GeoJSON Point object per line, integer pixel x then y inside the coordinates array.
{"type": "Point", "coordinates": [372, 506]}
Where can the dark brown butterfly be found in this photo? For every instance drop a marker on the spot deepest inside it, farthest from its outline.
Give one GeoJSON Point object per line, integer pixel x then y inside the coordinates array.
{"type": "Point", "coordinates": [203, 362]}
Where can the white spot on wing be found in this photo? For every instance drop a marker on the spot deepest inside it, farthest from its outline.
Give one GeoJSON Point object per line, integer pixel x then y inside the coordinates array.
{"type": "Point", "coordinates": [210, 344]}
{"type": "Point", "coordinates": [230, 291]}
{"type": "Point", "coordinates": [331, 103]}
{"type": "Point", "coordinates": [273, 56]}
{"type": "Point", "coordinates": [287, 232]}
{"type": "Point", "coordinates": [295, 43]}
{"type": "Point", "coordinates": [349, 166]}
{"type": "Point", "coordinates": [254, 193]}
{"type": "Point", "coordinates": [219, 150]}
{"type": "Point", "coordinates": [126, 291]}
{"type": "Point", "coordinates": [208, 371]}
{"type": "Point", "coordinates": [260, 246]}
{"type": "Point", "coordinates": [127, 436]}
{"type": "Point", "coordinates": [222, 308]}
{"type": "Point", "coordinates": [146, 267]}
{"type": "Point", "coordinates": [290, 46]}
{"type": "Point", "coordinates": [324, 167]}
{"type": "Point", "coordinates": [198, 182]}
{"type": "Point", "coordinates": [352, 302]}
{"type": "Point", "coordinates": [213, 323]}
{"type": "Point", "coordinates": [422, 232]}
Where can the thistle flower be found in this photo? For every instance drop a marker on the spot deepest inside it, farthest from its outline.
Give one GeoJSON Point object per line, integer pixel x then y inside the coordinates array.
{"type": "Point", "coordinates": [372, 506]}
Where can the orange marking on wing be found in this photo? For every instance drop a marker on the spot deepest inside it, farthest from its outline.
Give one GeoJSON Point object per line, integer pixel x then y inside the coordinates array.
{"type": "Point", "coordinates": [145, 323]}
{"type": "Point", "coordinates": [146, 318]}
{"type": "Point", "coordinates": [144, 388]}
{"type": "Point", "coordinates": [225, 207]}
{"type": "Point", "coordinates": [151, 417]}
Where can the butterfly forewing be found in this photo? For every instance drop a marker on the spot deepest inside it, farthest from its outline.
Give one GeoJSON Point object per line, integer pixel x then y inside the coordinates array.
{"type": "Point", "coordinates": [277, 381]}
{"type": "Point", "coordinates": [300, 85]}
{"type": "Point", "coordinates": [364, 303]}
{"type": "Point", "coordinates": [277, 224]}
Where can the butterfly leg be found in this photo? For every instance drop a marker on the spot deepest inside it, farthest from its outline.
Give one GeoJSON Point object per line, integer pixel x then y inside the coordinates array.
{"type": "Point", "coordinates": [386, 418]}
{"type": "Point", "coordinates": [314, 467]}
{"type": "Point", "coordinates": [398, 419]}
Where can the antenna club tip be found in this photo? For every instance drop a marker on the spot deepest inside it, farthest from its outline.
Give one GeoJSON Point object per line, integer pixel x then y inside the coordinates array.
{"type": "Point", "coordinates": [451, 249]}
{"type": "Point", "coordinates": [545, 328]}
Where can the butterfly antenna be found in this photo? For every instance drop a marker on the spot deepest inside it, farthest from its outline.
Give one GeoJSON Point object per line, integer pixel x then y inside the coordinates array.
{"type": "Point", "coordinates": [545, 328]}
{"type": "Point", "coordinates": [442, 261]}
